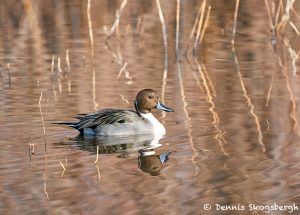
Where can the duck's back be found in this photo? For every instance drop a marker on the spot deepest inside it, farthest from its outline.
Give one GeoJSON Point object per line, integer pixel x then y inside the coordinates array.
{"type": "Point", "coordinates": [111, 122]}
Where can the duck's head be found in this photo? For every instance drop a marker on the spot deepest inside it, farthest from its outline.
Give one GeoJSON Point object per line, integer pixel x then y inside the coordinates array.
{"type": "Point", "coordinates": [148, 99]}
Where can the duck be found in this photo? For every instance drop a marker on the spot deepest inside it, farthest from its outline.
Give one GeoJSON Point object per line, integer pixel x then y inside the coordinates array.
{"type": "Point", "coordinates": [119, 122]}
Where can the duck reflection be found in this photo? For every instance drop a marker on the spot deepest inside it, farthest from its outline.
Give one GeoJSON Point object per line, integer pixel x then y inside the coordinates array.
{"type": "Point", "coordinates": [122, 145]}
{"type": "Point", "coordinates": [148, 160]}
{"type": "Point", "coordinates": [151, 163]}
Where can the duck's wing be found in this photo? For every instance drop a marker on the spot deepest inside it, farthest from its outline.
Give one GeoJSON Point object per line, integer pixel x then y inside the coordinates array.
{"type": "Point", "coordinates": [104, 117]}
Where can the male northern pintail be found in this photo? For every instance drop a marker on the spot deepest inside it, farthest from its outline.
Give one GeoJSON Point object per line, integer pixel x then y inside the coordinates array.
{"type": "Point", "coordinates": [112, 122]}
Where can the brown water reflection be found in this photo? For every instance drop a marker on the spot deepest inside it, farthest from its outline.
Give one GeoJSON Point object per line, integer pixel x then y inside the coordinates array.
{"type": "Point", "coordinates": [234, 133]}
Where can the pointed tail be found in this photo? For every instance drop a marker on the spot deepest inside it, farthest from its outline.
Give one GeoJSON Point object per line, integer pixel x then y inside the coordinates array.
{"type": "Point", "coordinates": [70, 124]}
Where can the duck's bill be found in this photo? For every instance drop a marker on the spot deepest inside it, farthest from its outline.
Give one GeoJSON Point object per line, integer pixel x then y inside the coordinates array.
{"type": "Point", "coordinates": [162, 107]}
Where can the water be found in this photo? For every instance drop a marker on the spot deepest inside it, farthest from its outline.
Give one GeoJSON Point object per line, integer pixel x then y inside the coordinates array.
{"type": "Point", "coordinates": [232, 139]}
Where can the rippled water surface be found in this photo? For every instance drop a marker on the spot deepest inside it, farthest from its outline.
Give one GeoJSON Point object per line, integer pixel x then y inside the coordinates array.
{"type": "Point", "coordinates": [233, 139]}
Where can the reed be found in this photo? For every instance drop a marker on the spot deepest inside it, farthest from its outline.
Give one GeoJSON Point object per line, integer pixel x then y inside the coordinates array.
{"type": "Point", "coordinates": [164, 32]}
{"type": "Point", "coordinates": [273, 19]}
{"type": "Point", "coordinates": [193, 29]}
{"type": "Point", "coordinates": [117, 20]}
{"type": "Point", "coordinates": [205, 23]}
{"type": "Point", "coordinates": [294, 28]}
{"type": "Point", "coordinates": [196, 42]}
{"type": "Point", "coordinates": [127, 75]}
{"type": "Point", "coordinates": [285, 18]}
{"type": "Point", "coordinates": [235, 22]}
{"type": "Point", "coordinates": [119, 54]}
{"type": "Point", "coordinates": [177, 28]}
{"type": "Point", "coordinates": [88, 8]}
{"type": "Point", "coordinates": [201, 26]}
{"type": "Point", "coordinates": [94, 96]}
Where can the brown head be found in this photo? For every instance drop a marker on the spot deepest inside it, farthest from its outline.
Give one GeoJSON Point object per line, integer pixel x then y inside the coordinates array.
{"type": "Point", "coordinates": [148, 99]}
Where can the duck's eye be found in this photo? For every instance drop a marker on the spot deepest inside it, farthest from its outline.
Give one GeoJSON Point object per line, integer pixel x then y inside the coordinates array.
{"type": "Point", "coordinates": [150, 97]}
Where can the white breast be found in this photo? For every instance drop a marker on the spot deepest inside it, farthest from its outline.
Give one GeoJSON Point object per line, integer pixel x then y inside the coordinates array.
{"type": "Point", "coordinates": [159, 129]}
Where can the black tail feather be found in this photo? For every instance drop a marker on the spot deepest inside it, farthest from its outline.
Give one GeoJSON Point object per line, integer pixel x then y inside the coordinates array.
{"type": "Point", "coordinates": [70, 124]}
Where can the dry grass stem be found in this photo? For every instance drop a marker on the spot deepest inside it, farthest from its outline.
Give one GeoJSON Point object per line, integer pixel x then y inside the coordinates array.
{"type": "Point", "coordinates": [278, 12]}
{"type": "Point", "coordinates": [165, 73]}
{"type": "Point", "coordinates": [164, 29]}
{"type": "Point", "coordinates": [295, 12]}
{"type": "Point", "coordinates": [122, 70]}
{"type": "Point", "coordinates": [92, 54]}
{"type": "Point", "coordinates": [124, 99]}
{"type": "Point", "coordinates": [127, 74]}
{"type": "Point", "coordinates": [235, 21]}
{"type": "Point", "coordinates": [269, 14]}
{"type": "Point", "coordinates": [90, 27]}
{"type": "Point", "coordinates": [196, 42]}
{"type": "Point", "coordinates": [177, 27]}
{"type": "Point", "coordinates": [193, 29]}
{"type": "Point", "coordinates": [286, 15]}
{"type": "Point", "coordinates": [96, 105]}
{"type": "Point", "coordinates": [205, 23]}
{"type": "Point", "coordinates": [294, 28]}
{"type": "Point", "coordinates": [117, 19]}
{"type": "Point", "coordinates": [119, 54]}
